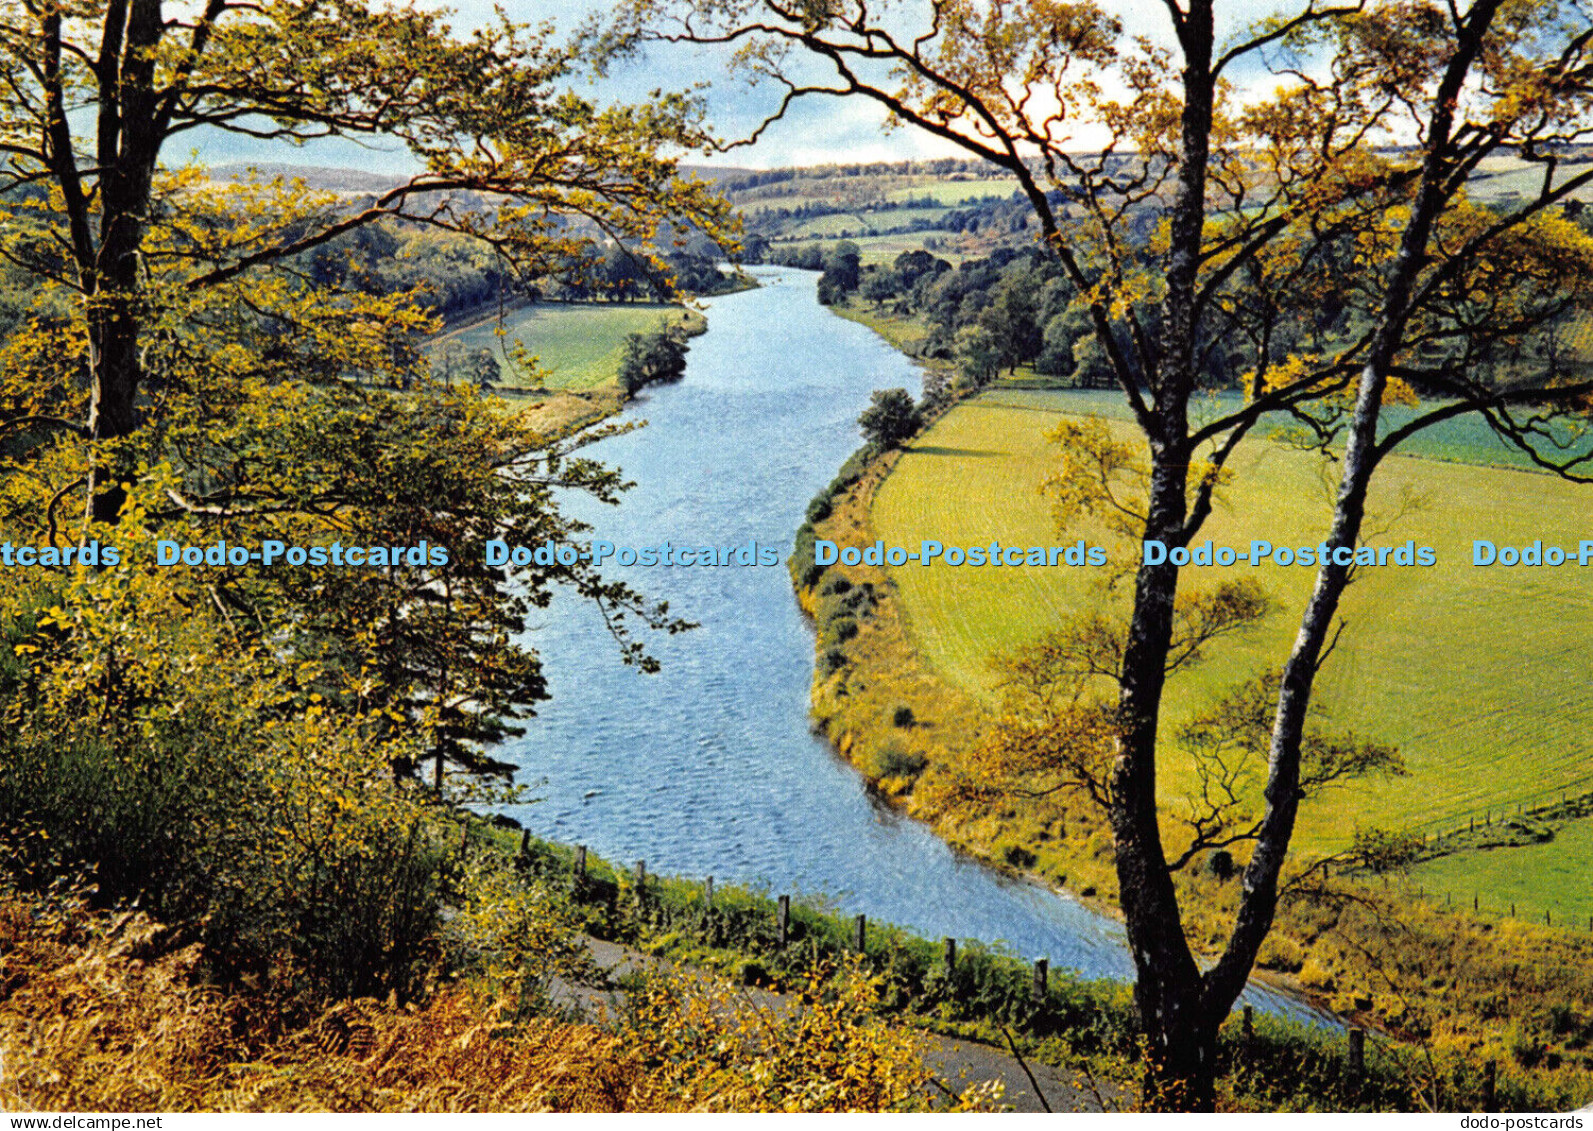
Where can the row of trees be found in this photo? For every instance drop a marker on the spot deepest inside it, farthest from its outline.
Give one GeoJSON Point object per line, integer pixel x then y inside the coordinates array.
{"type": "Point", "coordinates": [451, 273]}
{"type": "Point", "coordinates": [1320, 223]}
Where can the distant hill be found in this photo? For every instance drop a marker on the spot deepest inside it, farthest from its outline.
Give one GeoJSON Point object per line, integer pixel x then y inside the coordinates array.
{"type": "Point", "coordinates": [319, 177]}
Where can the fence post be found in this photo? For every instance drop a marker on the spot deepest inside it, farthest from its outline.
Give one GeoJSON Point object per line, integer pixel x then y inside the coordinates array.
{"type": "Point", "coordinates": [641, 883]}
{"type": "Point", "coordinates": [950, 948]}
{"type": "Point", "coordinates": [1489, 1099]}
{"type": "Point", "coordinates": [861, 933]}
{"type": "Point", "coordinates": [1247, 1028]}
{"type": "Point", "coordinates": [1042, 967]}
{"type": "Point", "coordinates": [708, 894]}
{"type": "Point", "coordinates": [1357, 1063]}
{"type": "Point", "coordinates": [525, 844]}
{"type": "Point", "coordinates": [782, 919]}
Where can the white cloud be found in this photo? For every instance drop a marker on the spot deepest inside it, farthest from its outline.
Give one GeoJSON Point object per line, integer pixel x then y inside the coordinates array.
{"type": "Point", "coordinates": [817, 130]}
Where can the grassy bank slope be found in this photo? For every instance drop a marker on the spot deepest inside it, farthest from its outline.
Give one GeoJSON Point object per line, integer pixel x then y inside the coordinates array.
{"type": "Point", "coordinates": [1475, 673]}
{"type": "Point", "coordinates": [580, 344]}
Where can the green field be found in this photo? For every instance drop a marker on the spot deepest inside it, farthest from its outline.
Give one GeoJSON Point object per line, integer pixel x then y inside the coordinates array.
{"type": "Point", "coordinates": [884, 249]}
{"type": "Point", "coordinates": [580, 344]}
{"type": "Point", "coordinates": [899, 330]}
{"type": "Point", "coordinates": [1534, 878]}
{"type": "Point", "coordinates": [1477, 674]}
{"type": "Point", "coordinates": [858, 225]}
{"type": "Point", "coordinates": [953, 193]}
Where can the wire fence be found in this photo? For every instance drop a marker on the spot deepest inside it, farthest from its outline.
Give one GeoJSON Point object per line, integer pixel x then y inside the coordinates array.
{"type": "Point", "coordinates": [1541, 803]}
{"type": "Point", "coordinates": [1569, 800]}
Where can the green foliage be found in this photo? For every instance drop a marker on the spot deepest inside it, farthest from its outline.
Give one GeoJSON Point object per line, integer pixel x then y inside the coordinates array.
{"type": "Point", "coordinates": [890, 419]}
{"type": "Point", "coordinates": [658, 355]}
{"type": "Point", "coordinates": [1383, 850]}
{"type": "Point", "coordinates": [842, 273]}
{"type": "Point", "coordinates": [1284, 1065]}
{"type": "Point", "coordinates": [228, 364]}
{"type": "Point", "coordinates": [281, 833]}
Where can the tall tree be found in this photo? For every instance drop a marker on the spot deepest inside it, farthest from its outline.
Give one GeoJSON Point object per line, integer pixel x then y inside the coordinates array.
{"type": "Point", "coordinates": [1320, 220]}
{"type": "Point", "coordinates": [97, 91]}
{"type": "Point", "coordinates": [191, 367]}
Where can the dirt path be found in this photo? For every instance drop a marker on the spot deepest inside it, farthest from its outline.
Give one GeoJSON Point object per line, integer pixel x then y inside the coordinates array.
{"type": "Point", "coordinates": [958, 1064]}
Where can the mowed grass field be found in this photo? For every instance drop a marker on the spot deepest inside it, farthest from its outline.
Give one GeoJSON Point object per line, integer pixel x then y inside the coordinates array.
{"type": "Point", "coordinates": [1532, 878]}
{"type": "Point", "coordinates": [955, 193]}
{"type": "Point", "coordinates": [1479, 675]}
{"type": "Point", "coordinates": [580, 344]}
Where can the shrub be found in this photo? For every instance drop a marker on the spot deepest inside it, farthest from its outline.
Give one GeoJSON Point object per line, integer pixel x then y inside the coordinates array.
{"type": "Point", "coordinates": [890, 419]}
{"type": "Point", "coordinates": [283, 833]}
{"type": "Point", "coordinates": [1018, 856]}
{"type": "Point", "coordinates": [892, 760]}
{"type": "Point", "coordinates": [840, 629]}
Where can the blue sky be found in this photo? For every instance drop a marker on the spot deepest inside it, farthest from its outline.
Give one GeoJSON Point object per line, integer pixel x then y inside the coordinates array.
{"type": "Point", "coordinates": [817, 130]}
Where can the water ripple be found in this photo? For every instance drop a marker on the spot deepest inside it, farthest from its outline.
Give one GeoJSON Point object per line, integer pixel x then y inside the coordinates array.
{"type": "Point", "coordinates": [709, 766]}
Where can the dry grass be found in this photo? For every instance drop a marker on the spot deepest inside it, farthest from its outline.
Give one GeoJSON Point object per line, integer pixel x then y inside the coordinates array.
{"type": "Point", "coordinates": [110, 1013]}
{"type": "Point", "coordinates": [106, 1014]}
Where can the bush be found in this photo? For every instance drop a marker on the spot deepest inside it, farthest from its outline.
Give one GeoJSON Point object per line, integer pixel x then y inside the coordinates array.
{"type": "Point", "coordinates": [1018, 856]}
{"type": "Point", "coordinates": [658, 355]}
{"type": "Point", "coordinates": [839, 630]}
{"type": "Point", "coordinates": [1221, 864]}
{"type": "Point", "coordinates": [805, 571]}
{"type": "Point", "coordinates": [285, 837]}
{"type": "Point", "coordinates": [890, 419]}
{"type": "Point", "coordinates": [892, 760]}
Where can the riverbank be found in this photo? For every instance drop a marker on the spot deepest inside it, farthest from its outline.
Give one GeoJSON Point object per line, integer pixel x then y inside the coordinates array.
{"type": "Point", "coordinates": [1463, 989]}
{"type": "Point", "coordinates": [563, 410]}
{"type": "Point", "coordinates": [709, 766]}
{"type": "Point", "coordinates": [1085, 1029]}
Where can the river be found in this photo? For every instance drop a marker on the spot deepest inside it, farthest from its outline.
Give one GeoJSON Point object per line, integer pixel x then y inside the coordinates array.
{"type": "Point", "coordinates": [709, 766]}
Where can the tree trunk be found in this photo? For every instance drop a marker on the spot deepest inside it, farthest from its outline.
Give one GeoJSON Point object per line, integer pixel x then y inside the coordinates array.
{"type": "Point", "coordinates": [113, 409]}
{"type": "Point", "coordinates": [1259, 893]}
{"type": "Point", "coordinates": [1181, 1040]}
{"type": "Point", "coordinates": [1167, 984]}
{"type": "Point", "coordinates": [128, 146]}
{"type": "Point", "coordinates": [1181, 1061]}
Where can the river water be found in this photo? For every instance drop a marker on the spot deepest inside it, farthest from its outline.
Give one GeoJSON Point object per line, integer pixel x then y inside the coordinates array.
{"type": "Point", "coordinates": [709, 766]}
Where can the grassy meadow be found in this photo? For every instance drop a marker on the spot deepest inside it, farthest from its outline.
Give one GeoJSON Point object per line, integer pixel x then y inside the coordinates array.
{"type": "Point", "coordinates": [953, 193]}
{"type": "Point", "coordinates": [579, 344]}
{"type": "Point", "coordinates": [1476, 674]}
